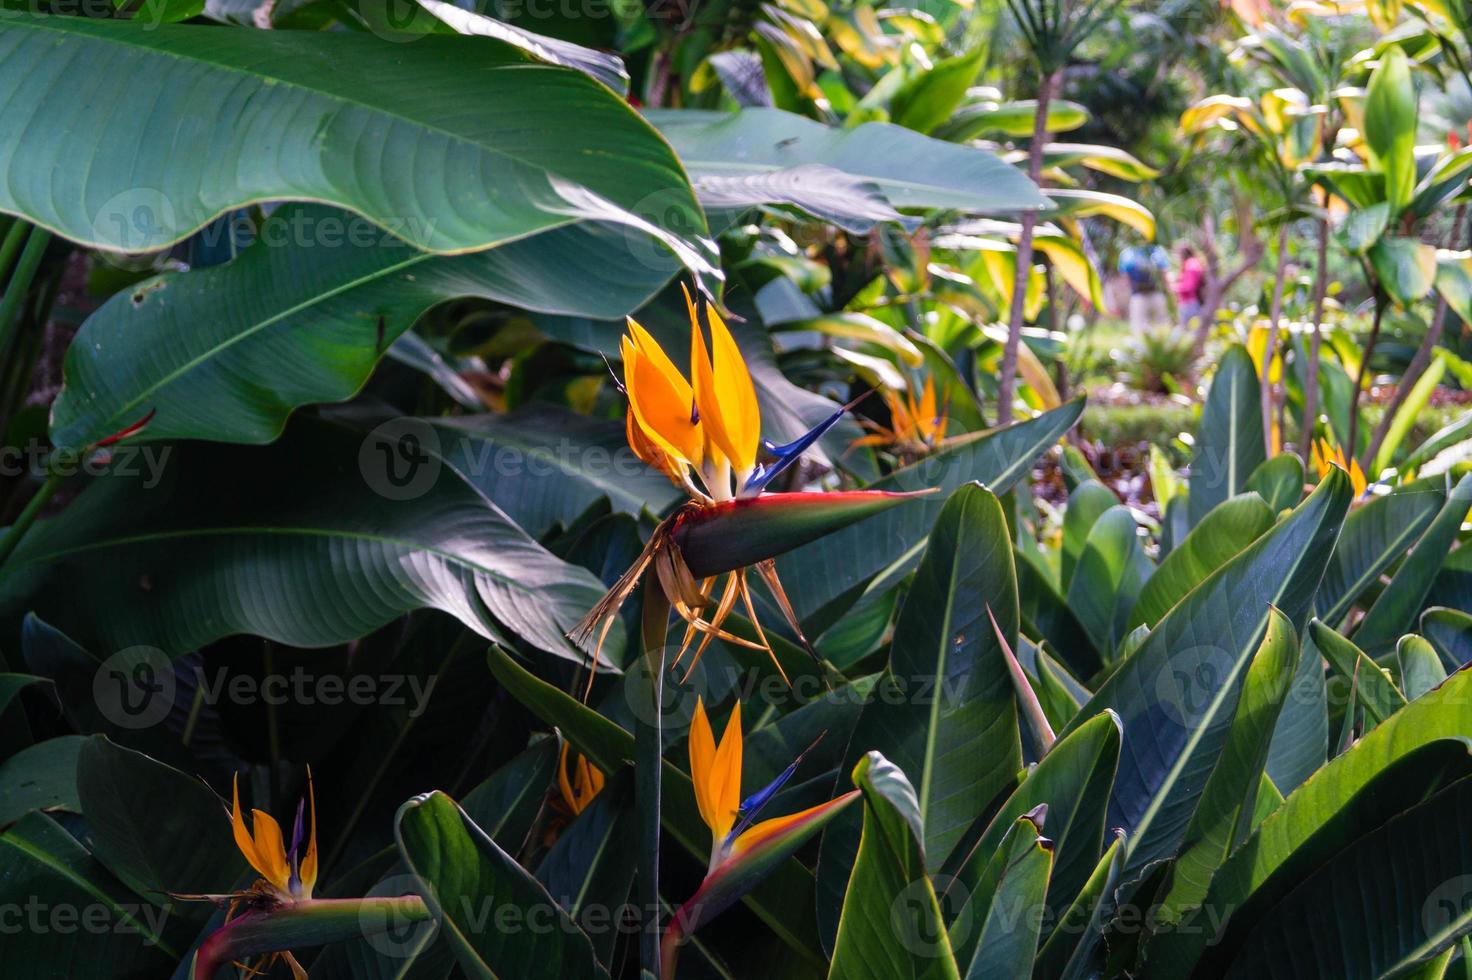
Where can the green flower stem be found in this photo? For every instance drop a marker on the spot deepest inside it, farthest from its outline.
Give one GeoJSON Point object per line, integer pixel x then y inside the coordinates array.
{"type": "Point", "coordinates": [648, 766]}
{"type": "Point", "coordinates": [20, 282]}
{"type": "Point", "coordinates": [28, 516]}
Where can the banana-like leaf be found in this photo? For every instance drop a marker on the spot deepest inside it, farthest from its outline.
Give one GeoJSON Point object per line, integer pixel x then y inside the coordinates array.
{"type": "Point", "coordinates": [1077, 203]}
{"type": "Point", "coordinates": [910, 170]}
{"type": "Point", "coordinates": [1407, 904]}
{"type": "Point", "coordinates": [983, 116]}
{"type": "Point", "coordinates": [1390, 126]}
{"type": "Point", "coordinates": [41, 862]}
{"type": "Point", "coordinates": [889, 891]}
{"type": "Point", "coordinates": [1069, 951]}
{"type": "Point", "coordinates": [1279, 481]}
{"type": "Point", "coordinates": [41, 777]}
{"type": "Point", "coordinates": [139, 809]}
{"type": "Point", "coordinates": [589, 871]}
{"type": "Point", "coordinates": [928, 98]}
{"type": "Point", "coordinates": [1106, 583]}
{"type": "Point", "coordinates": [1231, 526]}
{"type": "Point", "coordinates": [607, 68]}
{"type": "Point", "coordinates": [891, 542]}
{"type": "Point", "coordinates": [1373, 687]}
{"type": "Point", "coordinates": [1301, 739]}
{"type": "Point", "coordinates": [1396, 610]}
{"type": "Point", "coordinates": [462, 873]}
{"type": "Point", "coordinates": [1087, 502]}
{"type": "Point", "coordinates": [1421, 744]}
{"type": "Point", "coordinates": [1009, 936]}
{"type": "Point", "coordinates": [1376, 534]}
{"type": "Point", "coordinates": [1421, 668]}
{"type": "Point", "coordinates": [226, 353]}
{"type": "Point", "coordinates": [1223, 818]}
{"type": "Point", "coordinates": [945, 709]}
{"type": "Point", "coordinates": [1176, 693]}
{"type": "Point", "coordinates": [544, 465]}
{"type": "Point", "coordinates": [1229, 441]}
{"type": "Point", "coordinates": [1450, 631]}
{"type": "Point", "coordinates": [1109, 160]}
{"type": "Point", "coordinates": [1405, 267]}
{"type": "Point", "coordinates": [200, 121]}
{"type": "Point", "coordinates": [1073, 782]}
{"type": "Point", "coordinates": [318, 540]}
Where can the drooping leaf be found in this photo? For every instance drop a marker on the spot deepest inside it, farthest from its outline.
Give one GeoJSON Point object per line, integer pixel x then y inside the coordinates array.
{"type": "Point", "coordinates": [889, 889]}
{"type": "Point", "coordinates": [461, 870]}
{"type": "Point", "coordinates": [362, 529]}
{"type": "Point", "coordinates": [139, 810]}
{"type": "Point", "coordinates": [303, 315]}
{"type": "Point", "coordinates": [910, 170]}
{"type": "Point", "coordinates": [451, 115]}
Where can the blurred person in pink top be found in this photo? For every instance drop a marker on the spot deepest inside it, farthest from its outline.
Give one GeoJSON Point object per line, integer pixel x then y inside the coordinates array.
{"type": "Point", "coordinates": [1189, 283]}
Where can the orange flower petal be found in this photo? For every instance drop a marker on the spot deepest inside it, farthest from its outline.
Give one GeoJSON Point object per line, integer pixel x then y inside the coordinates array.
{"type": "Point", "coordinates": [741, 417]}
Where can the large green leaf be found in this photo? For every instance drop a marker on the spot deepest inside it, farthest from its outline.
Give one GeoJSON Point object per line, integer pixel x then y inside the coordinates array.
{"type": "Point", "coordinates": [1390, 126]}
{"type": "Point", "coordinates": [928, 98]}
{"type": "Point", "coordinates": [1009, 936]}
{"type": "Point", "coordinates": [40, 777]}
{"type": "Point", "coordinates": [1301, 739]}
{"type": "Point", "coordinates": [944, 711]}
{"type": "Point", "coordinates": [1372, 686]}
{"type": "Point", "coordinates": [453, 143]}
{"type": "Point", "coordinates": [545, 465]}
{"type": "Point", "coordinates": [311, 542]}
{"type": "Point", "coordinates": [891, 927]}
{"type": "Point", "coordinates": [303, 315]}
{"type": "Point", "coordinates": [463, 873]}
{"type": "Point", "coordinates": [45, 868]}
{"type": "Point", "coordinates": [1069, 950]}
{"type": "Point", "coordinates": [589, 871]}
{"type": "Point", "coordinates": [891, 542]}
{"type": "Point", "coordinates": [1177, 693]}
{"type": "Point", "coordinates": [910, 170]}
{"type": "Point", "coordinates": [139, 810]}
{"type": "Point", "coordinates": [1386, 904]}
{"type": "Point", "coordinates": [1290, 836]}
{"type": "Point", "coordinates": [1224, 816]}
{"type": "Point", "coordinates": [1106, 583]}
{"type": "Point", "coordinates": [1396, 610]}
{"type": "Point", "coordinates": [1230, 527]}
{"type": "Point", "coordinates": [1229, 441]}
{"type": "Point", "coordinates": [1087, 502]}
{"type": "Point", "coordinates": [1376, 534]}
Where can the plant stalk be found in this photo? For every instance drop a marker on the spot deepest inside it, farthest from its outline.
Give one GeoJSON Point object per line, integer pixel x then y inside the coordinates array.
{"type": "Point", "coordinates": [1315, 340]}
{"type": "Point", "coordinates": [1418, 365]}
{"type": "Point", "coordinates": [648, 772]}
{"type": "Point", "coordinates": [1359, 381]}
{"type": "Point", "coordinates": [20, 283]}
{"type": "Point", "coordinates": [1007, 383]}
{"type": "Point", "coordinates": [27, 517]}
{"type": "Point", "coordinates": [1275, 315]}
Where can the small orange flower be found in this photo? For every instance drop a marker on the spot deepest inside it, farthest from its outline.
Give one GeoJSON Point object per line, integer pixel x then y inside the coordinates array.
{"type": "Point", "coordinates": [1325, 455]}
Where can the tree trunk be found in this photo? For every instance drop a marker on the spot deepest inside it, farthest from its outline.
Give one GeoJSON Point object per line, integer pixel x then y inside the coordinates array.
{"type": "Point", "coordinates": [1007, 383]}
{"type": "Point", "coordinates": [1311, 375]}
{"type": "Point", "coordinates": [1418, 364]}
{"type": "Point", "coordinates": [1275, 314]}
{"type": "Point", "coordinates": [1359, 380]}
